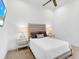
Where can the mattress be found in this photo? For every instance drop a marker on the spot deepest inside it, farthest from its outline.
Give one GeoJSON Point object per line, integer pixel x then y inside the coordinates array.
{"type": "Point", "coordinates": [48, 48]}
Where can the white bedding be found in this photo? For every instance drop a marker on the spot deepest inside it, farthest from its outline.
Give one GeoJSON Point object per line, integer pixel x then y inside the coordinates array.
{"type": "Point", "coordinates": [48, 48]}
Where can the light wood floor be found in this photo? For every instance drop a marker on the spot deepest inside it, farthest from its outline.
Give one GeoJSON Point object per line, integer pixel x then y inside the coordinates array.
{"type": "Point", "coordinates": [26, 54]}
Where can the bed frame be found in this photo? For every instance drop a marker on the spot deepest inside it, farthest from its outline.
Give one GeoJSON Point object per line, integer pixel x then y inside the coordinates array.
{"type": "Point", "coordinates": [65, 55]}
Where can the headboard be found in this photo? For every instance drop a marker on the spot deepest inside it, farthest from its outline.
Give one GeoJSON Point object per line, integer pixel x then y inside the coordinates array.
{"type": "Point", "coordinates": [34, 29]}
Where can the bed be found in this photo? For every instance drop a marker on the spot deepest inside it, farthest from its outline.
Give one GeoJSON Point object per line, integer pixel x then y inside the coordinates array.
{"type": "Point", "coordinates": [48, 47]}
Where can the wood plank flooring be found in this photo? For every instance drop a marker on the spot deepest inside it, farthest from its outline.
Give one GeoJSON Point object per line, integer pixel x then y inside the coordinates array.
{"type": "Point", "coordinates": [26, 54]}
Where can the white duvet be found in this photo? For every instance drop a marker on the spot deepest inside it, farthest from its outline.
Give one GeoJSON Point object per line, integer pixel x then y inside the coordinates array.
{"type": "Point", "coordinates": [48, 48]}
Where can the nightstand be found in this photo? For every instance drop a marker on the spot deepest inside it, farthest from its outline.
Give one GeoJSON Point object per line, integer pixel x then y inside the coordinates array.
{"type": "Point", "coordinates": [22, 43]}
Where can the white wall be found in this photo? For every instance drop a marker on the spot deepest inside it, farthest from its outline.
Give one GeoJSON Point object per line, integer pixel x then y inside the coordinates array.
{"type": "Point", "coordinates": [21, 12]}
{"type": "Point", "coordinates": [3, 42]}
{"type": "Point", "coordinates": [66, 22]}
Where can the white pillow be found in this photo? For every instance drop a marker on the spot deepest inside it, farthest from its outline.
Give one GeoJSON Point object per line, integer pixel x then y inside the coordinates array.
{"type": "Point", "coordinates": [40, 35]}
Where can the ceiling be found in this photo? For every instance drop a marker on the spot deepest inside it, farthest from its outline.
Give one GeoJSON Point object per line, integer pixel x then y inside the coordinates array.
{"type": "Point", "coordinates": [51, 5]}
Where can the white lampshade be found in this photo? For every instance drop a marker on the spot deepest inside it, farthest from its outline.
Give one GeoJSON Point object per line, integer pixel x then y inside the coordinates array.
{"type": "Point", "coordinates": [49, 29]}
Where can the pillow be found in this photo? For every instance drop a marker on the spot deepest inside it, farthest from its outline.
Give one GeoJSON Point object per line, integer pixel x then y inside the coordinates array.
{"type": "Point", "coordinates": [40, 35]}
{"type": "Point", "coordinates": [33, 35]}
{"type": "Point", "coordinates": [42, 32]}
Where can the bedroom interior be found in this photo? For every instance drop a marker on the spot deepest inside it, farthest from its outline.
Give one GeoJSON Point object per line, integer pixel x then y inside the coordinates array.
{"type": "Point", "coordinates": [39, 29]}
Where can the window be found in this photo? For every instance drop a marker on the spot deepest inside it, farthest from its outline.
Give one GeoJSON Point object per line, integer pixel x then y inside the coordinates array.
{"type": "Point", "coordinates": [2, 13]}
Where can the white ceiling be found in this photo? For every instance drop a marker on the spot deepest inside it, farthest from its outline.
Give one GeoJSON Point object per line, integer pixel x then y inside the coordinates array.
{"type": "Point", "coordinates": [50, 5]}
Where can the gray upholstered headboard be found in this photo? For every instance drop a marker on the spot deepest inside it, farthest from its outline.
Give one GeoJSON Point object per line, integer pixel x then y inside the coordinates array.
{"type": "Point", "coordinates": [36, 29]}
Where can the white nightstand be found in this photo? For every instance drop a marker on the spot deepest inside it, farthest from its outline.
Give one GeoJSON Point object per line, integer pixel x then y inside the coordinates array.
{"type": "Point", "coordinates": [22, 43]}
